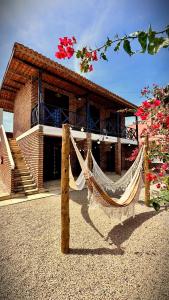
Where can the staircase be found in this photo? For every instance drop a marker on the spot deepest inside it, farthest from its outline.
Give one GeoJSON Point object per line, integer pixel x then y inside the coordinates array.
{"type": "Point", "coordinates": [24, 182]}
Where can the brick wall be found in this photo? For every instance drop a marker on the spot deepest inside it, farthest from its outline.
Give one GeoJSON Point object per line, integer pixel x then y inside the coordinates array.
{"type": "Point", "coordinates": [32, 149]}
{"type": "Point", "coordinates": [22, 110]}
{"type": "Point", "coordinates": [6, 173]}
{"type": "Point", "coordinates": [104, 148]}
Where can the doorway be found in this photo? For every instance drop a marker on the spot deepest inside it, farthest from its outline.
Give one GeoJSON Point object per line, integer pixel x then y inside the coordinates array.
{"type": "Point", "coordinates": [52, 158]}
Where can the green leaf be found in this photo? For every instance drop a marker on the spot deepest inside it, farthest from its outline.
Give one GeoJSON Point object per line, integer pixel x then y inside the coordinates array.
{"type": "Point", "coordinates": [109, 42]}
{"type": "Point", "coordinates": [117, 47]}
{"type": "Point", "coordinates": [156, 44]}
{"type": "Point", "coordinates": [156, 205]}
{"type": "Point", "coordinates": [103, 56]}
{"type": "Point", "coordinates": [127, 47]}
{"type": "Point", "coordinates": [142, 38]}
{"type": "Point", "coordinates": [78, 54]}
{"type": "Point", "coordinates": [164, 44]}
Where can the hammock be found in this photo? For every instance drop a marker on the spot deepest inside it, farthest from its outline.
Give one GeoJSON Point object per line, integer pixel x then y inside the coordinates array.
{"type": "Point", "coordinates": [97, 193]}
{"type": "Point", "coordinates": [80, 182]}
{"type": "Point", "coordinates": [119, 185]}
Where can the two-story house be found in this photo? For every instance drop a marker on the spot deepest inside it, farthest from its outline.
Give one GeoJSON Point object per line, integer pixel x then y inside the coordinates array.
{"type": "Point", "coordinates": [43, 95]}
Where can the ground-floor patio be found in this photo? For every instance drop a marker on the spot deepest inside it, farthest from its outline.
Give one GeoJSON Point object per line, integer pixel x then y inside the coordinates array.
{"type": "Point", "coordinates": [107, 260]}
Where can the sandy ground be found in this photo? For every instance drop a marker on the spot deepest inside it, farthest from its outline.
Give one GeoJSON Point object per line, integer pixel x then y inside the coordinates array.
{"type": "Point", "coordinates": [107, 260]}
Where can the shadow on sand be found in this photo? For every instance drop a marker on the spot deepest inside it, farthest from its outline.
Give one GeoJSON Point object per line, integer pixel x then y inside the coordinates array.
{"type": "Point", "coordinates": [117, 235]}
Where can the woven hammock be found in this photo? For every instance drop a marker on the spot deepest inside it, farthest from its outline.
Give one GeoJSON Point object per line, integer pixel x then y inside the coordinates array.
{"type": "Point", "coordinates": [80, 182]}
{"type": "Point", "coordinates": [98, 196]}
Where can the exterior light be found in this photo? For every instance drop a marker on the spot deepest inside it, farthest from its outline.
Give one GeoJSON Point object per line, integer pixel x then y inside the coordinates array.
{"type": "Point", "coordinates": [98, 142]}
{"type": "Point", "coordinates": [82, 129]}
{"type": "Point", "coordinates": [129, 145]}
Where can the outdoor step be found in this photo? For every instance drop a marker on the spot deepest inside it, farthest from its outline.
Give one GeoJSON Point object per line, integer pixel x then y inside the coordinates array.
{"type": "Point", "coordinates": [20, 181]}
{"type": "Point", "coordinates": [19, 189]}
{"type": "Point", "coordinates": [20, 165]}
{"type": "Point", "coordinates": [31, 192]}
{"type": "Point", "coordinates": [22, 172]}
{"type": "Point", "coordinates": [23, 177]}
{"type": "Point", "coordinates": [26, 187]}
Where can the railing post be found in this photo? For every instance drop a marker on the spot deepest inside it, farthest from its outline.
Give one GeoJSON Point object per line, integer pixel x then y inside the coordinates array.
{"type": "Point", "coordinates": [146, 171]}
{"type": "Point", "coordinates": [65, 189]}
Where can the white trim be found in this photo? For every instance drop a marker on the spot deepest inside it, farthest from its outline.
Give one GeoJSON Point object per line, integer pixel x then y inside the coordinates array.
{"type": "Point", "coordinates": [56, 131]}
{"type": "Point", "coordinates": [103, 138]}
{"type": "Point", "coordinates": [8, 148]}
{"type": "Point", "coordinates": [28, 132]}
{"type": "Point", "coordinates": [127, 141]}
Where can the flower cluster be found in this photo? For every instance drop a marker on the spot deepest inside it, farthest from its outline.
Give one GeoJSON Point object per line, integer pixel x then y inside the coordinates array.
{"type": "Point", "coordinates": [145, 109]}
{"type": "Point", "coordinates": [133, 155]}
{"type": "Point", "coordinates": [86, 58]}
{"type": "Point", "coordinates": [65, 48]}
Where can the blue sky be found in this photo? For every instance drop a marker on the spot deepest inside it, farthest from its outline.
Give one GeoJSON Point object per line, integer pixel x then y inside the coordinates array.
{"type": "Point", "coordinates": [39, 24]}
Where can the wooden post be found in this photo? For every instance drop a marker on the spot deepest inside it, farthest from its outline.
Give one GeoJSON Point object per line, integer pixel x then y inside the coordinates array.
{"type": "Point", "coordinates": [118, 157]}
{"type": "Point", "coordinates": [65, 189]}
{"type": "Point", "coordinates": [146, 170]}
{"type": "Point", "coordinates": [89, 147]}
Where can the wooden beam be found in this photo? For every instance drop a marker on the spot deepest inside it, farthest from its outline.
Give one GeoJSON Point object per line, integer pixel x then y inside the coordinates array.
{"type": "Point", "coordinates": [118, 164]}
{"type": "Point", "coordinates": [14, 72]}
{"type": "Point", "coordinates": [65, 231]}
{"type": "Point", "coordinates": [146, 171]}
{"type": "Point", "coordinates": [13, 89]}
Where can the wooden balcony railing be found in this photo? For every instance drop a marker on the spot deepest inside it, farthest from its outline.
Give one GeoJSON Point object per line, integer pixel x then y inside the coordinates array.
{"type": "Point", "coordinates": [56, 116]}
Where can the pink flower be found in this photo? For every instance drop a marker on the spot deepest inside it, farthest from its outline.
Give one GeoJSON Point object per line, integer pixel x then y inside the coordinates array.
{"type": "Point", "coordinates": [70, 51]}
{"type": "Point", "coordinates": [164, 166]}
{"type": "Point", "coordinates": [158, 185]}
{"type": "Point", "coordinates": [88, 54]}
{"type": "Point", "coordinates": [156, 102]}
{"type": "Point", "coordinates": [139, 111]}
{"type": "Point", "coordinates": [146, 104]}
{"type": "Point", "coordinates": [161, 174]}
{"type": "Point", "coordinates": [94, 55]}
{"type": "Point", "coordinates": [90, 68]}
{"type": "Point", "coordinates": [144, 117]}
{"type": "Point", "coordinates": [74, 40]}
{"type": "Point", "coordinates": [155, 126]}
{"type": "Point", "coordinates": [150, 177]}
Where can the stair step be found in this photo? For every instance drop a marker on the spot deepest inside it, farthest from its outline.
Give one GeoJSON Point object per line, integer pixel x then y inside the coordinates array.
{"type": "Point", "coordinates": [20, 181]}
{"type": "Point", "coordinates": [22, 172]}
{"type": "Point", "coordinates": [23, 177]}
{"type": "Point", "coordinates": [31, 192]}
{"type": "Point", "coordinates": [19, 189]}
{"type": "Point", "coordinates": [26, 187]}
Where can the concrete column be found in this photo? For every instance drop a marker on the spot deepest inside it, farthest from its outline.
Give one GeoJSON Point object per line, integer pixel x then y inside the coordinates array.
{"type": "Point", "coordinates": [1, 116]}
{"type": "Point", "coordinates": [118, 164]}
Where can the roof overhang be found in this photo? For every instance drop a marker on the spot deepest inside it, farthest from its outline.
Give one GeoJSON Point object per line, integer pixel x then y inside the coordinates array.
{"type": "Point", "coordinates": [25, 65]}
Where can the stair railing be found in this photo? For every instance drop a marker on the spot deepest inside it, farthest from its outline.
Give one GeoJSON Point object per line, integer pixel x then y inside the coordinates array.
{"type": "Point", "coordinates": [12, 164]}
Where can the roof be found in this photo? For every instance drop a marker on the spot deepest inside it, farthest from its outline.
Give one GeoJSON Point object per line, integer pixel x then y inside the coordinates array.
{"type": "Point", "coordinates": [25, 63]}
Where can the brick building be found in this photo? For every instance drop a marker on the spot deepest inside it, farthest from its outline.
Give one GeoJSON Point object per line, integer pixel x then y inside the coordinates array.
{"type": "Point", "coordinates": [43, 95]}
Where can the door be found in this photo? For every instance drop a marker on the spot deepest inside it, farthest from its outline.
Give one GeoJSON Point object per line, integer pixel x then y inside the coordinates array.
{"type": "Point", "coordinates": [96, 152]}
{"type": "Point", "coordinates": [52, 158]}
{"type": "Point", "coordinates": [111, 159]}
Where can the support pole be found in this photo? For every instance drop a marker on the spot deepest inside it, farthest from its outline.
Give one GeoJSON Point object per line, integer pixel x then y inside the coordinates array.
{"type": "Point", "coordinates": [146, 170]}
{"type": "Point", "coordinates": [89, 147]}
{"type": "Point", "coordinates": [65, 189]}
{"type": "Point", "coordinates": [118, 165]}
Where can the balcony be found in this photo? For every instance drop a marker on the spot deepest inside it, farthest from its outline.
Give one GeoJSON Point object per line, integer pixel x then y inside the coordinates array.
{"type": "Point", "coordinates": [56, 116]}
